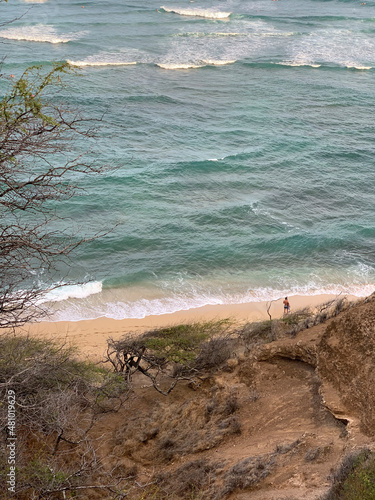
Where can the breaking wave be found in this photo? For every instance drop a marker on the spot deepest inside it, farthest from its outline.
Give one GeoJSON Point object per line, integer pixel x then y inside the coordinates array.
{"type": "Point", "coordinates": [179, 65]}
{"type": "Point", "coordinates": [200, 64]}
{"type": "Point", "coordinates": [97, 306]}
{"type": "Point", "coordinates": [357, 66]}
{"type": "Point", "coordinates": [88, 62]}
{"type": "Point", "coordinates": [215, 62]}
{"type": "Point", "coordinates": [208, 13]}
{"type": "Point", "coordinates": [66, 292]}
{"type": "Point", "coordinates": [39, 33]}
{"type": "Point", "coordinates": [299, 63]}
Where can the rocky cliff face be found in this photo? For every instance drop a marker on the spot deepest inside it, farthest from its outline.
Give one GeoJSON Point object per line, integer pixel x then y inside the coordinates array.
{"type": "Point", "coordinates": [345, 366]}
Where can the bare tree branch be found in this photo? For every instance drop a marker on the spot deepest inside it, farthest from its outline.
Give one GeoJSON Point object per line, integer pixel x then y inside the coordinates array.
{"type": "Point", "coordinates": [40, 163]}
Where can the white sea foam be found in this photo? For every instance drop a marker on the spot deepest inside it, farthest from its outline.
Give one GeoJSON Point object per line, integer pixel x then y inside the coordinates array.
{"type": "Point", "coordinates": [299, 63]}
{"type": "Point", "coordinates": [215, 62]}
{"type": "Point", "coordinates": [35, 1]}
{"type": "Point", "coordinates": [66, 292]}
{"type": "Point", "coordinates": [216, 159]}
{"type": "Point", "coordinates": [87, 62]}
{"type": "Point", "coordinates": [38, 33]}
{"type": "Point", "coordinates": [337, 47]}
{"type": "Point", "coordinates": [357, 66]}
{"type": "Point", "coordinates": [208, 13]}
{"type": "Point", "coordinates": [197, 64]}
{"type": "Point", "coordinates": [179, 65]}
{"type": "Point", "coordinates": [97, 306]}
{"type": "Point", "coordinates": [233, 34]}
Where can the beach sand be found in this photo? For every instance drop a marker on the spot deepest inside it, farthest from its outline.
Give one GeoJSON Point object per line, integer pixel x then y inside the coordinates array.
{"type": "Point", "coordinates": [90, 336]}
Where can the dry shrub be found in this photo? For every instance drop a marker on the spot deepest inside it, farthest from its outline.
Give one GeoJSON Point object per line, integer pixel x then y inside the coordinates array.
{"type": "Point", "coordinates": [282, 449]}
{"type": "Point", "coordinates": [213, 354]}
{"type": "Point", "coordinates": [316, 454]}
{"type": "Point", "coordinates": [305, 318]}
{"type": "Point", "coordinates": [232, 424]}
{"type": "Point", "coordinates": [191, 480]}
{"type": "Point", "coordinates": [261, 332]}
{"type": "Point", "coordinates": [230, 404]}
{"type": "Point", "coordinates": [57, 401]}
{"type": "Point", "coordinates": [180, 427]}
{"type": "Point", "coordinates": [248, 473]}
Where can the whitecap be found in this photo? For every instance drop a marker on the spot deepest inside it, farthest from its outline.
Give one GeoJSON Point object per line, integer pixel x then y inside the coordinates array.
{"type": "Point", "coordinates": [208, 13]}
{"type": "Point", "coordinates": [65, 292]}
{"type": "Point", "coordinates": [198, 64]}
{"type": "Point", "coordinates": [357, 66]}
{"type": "Point", "coordinates": [87, 62]}
{"type": "Point", "coordinates": [38, 33]}
{"type": "Point", "coordinates": [214, 62]}
{"type": "Point", "coordinates": [299, 63]}
{"type": "Point", "coordinates": [179, 65]}
{"type": "Point", "coordinates": [335, 47]}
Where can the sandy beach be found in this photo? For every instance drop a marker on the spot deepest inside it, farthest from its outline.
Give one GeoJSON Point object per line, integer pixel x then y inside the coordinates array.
{"type": "Point", "coordinates": [90, 336]}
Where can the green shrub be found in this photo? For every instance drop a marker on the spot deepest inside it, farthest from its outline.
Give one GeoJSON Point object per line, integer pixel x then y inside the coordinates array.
{"type": "Point", "coordinates": [180, 351]}
{"type": "Point", "coordinates": [355, 479]}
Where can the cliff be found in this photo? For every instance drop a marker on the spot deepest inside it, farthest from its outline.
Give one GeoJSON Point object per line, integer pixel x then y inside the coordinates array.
{"type": "Point", "coordinates": [273, 424]}
{"type": "Point", "coordinates": [275, 411]}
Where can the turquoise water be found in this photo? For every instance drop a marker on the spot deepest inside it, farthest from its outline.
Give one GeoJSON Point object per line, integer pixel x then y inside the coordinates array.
{"type": "Point", "coordinates": [244, 136]}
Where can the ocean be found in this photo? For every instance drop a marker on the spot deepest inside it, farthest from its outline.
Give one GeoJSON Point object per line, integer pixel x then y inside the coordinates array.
{"type": "Point", "coordinates": [244, 143]}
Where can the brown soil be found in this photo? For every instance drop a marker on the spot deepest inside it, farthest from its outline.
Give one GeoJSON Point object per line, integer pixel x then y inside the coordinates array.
{"type": "Point", "coordinates": [272, 426]}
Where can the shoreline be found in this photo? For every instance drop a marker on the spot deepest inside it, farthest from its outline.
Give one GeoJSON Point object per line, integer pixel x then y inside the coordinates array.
{"type": "Point", "coordinates": [90, 336]}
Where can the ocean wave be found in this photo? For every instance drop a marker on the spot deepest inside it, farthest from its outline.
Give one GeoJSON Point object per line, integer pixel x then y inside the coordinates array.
{"type": "Point", "coordinates": [233, 34]}
{"type": "Point", "coordinates": [299, 63]}
{"type": "Point", "coordinates": [194, 65]}
{"type": "Point", "coordinates": [331, 47]}
{"type": "Point", "coordinates": [65, 292]}
{"type": "Point", "coordinates": [179, 65]}
{"type": "Point", "coordinates": [357, 66]}
{"type": "Point", "coordinates": [142, 308]}
{"type": "Point", "coordinates": [207, 13]}
{"type": "Point", "coordinates": [87, 62]}
{"type": "Point", "coordinates": [38, 33]}
{"type": "Point", "coordinates": [215, 62]}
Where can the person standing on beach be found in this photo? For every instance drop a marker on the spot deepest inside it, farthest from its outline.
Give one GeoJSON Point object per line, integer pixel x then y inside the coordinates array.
{"type": "Point", "coordinates": [286, 306]}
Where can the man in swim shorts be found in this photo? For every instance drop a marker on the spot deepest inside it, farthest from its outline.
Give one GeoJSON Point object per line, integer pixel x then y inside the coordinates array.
{"type": "Point", "coordinates": [286, 306]}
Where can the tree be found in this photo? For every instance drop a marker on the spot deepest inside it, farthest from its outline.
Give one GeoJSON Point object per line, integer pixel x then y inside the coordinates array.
{"type": "Point", "coordinates": [39, 165]}
{"type": "Point", "coordinates": [171, 354]}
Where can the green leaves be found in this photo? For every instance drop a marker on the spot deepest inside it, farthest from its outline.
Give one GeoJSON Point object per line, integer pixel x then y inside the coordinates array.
{"type": "Point", "coordinates": [180, 343]}
{"type": "Point", "coordinates": [25, 99]}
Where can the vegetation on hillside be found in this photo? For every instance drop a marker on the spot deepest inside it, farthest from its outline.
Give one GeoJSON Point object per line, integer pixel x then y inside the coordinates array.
{"type": "Point", "coordinates": [57, 400]}
{"type": "Point", "coordinates": [181, 352]}
{"type": "Point", "coordinates": [355, 478]}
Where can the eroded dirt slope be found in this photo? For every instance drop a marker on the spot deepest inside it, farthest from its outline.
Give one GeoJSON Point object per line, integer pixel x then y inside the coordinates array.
{"type": "Point", "coordinates": [271, 426]}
